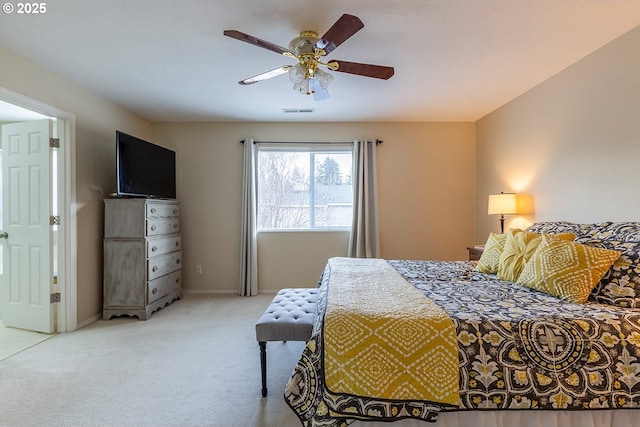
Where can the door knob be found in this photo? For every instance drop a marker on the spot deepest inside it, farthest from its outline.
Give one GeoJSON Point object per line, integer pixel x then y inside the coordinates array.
{"type": "Point", "coordinates": [4, 235]}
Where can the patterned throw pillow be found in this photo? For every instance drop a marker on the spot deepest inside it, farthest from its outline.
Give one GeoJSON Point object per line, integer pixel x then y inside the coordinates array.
{"type": "Point", "coordinates": [621, 285]}
{"type": "Point", "coordinates": [627, 231]}
{"type": "Point", "coordinates": [488, 262]}
{"type": "Point", "coordinates": [518, 249]}
{"type": "Point", "coordinates": [554, 227]}
{"type": "Point", "coordinates": [582, 231]}
{"type": "Point", "coordinates": [565, 269]}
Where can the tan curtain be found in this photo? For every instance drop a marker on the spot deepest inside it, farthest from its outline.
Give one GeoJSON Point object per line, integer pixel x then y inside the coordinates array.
{"type": "Point", "coordinates": [248, 238]}
{"type": "Point", "coordinates": [364, 242]}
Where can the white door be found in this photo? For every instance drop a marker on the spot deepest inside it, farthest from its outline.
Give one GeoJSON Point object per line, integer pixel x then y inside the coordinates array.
{"type": "Point", "coordinates": [26, 207]}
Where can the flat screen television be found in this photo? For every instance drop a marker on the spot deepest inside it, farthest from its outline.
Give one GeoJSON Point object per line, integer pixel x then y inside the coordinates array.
{"type": "Point", "coordinates": [144, 169]}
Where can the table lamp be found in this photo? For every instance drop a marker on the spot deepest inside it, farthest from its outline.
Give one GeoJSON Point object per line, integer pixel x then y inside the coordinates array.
{"type": "Point", "coordinates": [502, 204]}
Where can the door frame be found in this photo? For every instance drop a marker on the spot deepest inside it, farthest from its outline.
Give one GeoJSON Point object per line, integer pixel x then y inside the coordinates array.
{"type": "Point", "coordinates": [67, 312]}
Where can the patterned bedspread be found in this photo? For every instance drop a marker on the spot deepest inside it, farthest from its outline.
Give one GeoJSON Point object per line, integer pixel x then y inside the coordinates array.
{"type": "Point", "coordinates": [383, 338]}
{"type": "Point", "coordinates": [517, 349]}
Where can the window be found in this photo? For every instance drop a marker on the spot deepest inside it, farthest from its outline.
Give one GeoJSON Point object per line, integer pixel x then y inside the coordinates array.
{"type": "Point", "coordinates": [302, 187]}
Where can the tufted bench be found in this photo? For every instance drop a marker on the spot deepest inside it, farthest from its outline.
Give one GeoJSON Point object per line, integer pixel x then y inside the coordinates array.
{"type": "Point", "coordinates": [289, 317]}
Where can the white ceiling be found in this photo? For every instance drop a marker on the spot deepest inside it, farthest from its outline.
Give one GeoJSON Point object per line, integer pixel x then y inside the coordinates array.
{"type": "Point", "coordinates": [455, 60]}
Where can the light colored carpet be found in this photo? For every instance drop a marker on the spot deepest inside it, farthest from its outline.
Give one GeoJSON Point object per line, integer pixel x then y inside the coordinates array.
{"type": "Point", "coordinates": [13, 341]}
{"type": "Point", "coordinates": [194, 363]}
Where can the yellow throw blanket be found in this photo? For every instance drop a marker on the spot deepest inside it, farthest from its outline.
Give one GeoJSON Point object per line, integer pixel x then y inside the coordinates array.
{"type": "Point", "coordinates": [385, 339]}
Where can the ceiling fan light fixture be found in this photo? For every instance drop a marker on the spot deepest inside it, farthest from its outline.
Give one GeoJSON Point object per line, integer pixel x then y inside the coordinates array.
{"type": "Point", "coordinates": [319, 93]}
{"type": "Point", "coordinates": [302, 87]}
{"type": "Point", "coordinates": [306, 84]}
{"type": "Point", "coordinates": [297, 73]}
{"type": "Point", "coordinates": [323, 78]}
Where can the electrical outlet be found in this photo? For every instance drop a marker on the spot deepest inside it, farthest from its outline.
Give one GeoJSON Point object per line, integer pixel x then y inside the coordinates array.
{"type": "Point", "coordinates": [198, 269]}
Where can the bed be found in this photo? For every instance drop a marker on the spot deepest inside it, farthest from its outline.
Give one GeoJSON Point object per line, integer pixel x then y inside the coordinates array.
{"type": "Point", "coordinates": [546, 326]}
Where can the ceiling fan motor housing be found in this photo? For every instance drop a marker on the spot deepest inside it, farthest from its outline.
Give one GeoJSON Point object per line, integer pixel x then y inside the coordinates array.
{"type": "Point", "coordinates": [304, 43]}
{"type": "Point", "coordinates": [305, 49]}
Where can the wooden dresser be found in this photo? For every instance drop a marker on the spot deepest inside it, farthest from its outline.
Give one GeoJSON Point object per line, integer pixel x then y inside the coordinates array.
{"type": "Point", "coordinates": [142, 256]}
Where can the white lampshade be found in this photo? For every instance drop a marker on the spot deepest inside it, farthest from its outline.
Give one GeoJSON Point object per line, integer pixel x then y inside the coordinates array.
{"type": "Point", "coordinates": [503, 204]}
{"type": "Point", "coordinates": [302, 87]}
{"type": "Point", "coordinates": [323, 78]}
{"type": "Point", "coordinates": [297, 73]}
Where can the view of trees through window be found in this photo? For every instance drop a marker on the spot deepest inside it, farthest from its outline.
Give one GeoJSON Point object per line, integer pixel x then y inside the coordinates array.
{"type": "Point", "coordinates": [304, 189]}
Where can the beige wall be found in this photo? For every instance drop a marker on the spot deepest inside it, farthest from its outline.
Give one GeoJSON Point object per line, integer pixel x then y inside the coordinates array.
{"type": "Point", "coordinates": [96, 122]}
{"type": "Point", "coordinates": [572, 143]}
{"type": "Point", "coordinates": [426, 197]}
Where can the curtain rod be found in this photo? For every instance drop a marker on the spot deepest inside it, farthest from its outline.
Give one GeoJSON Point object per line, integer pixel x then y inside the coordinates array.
{"type": "Point", "coordinates": [378, 141]}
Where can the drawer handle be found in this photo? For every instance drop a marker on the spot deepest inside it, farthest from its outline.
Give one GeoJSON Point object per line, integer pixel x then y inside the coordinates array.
{"type": "Point", "coordinates": [178, 261]}
{"type": "Point", "coordinates": [153, 228]}
{"type": "Point", "coordinates": [155, 268]}
{"type": "Point", "coordinates": [153, 210]}
{"type": "Point", "coordinates": [153, 249]}
{"type": "Point", "coordinates": [154, 291]}
{"type": "Point", "coordinates": [178, 280]}
{"type": "Point", "coordinates": [175, 225]}
{"type": "Point", "coordinates": [178, 244]}
{"type": "Point", "coordinates": [175, 211]}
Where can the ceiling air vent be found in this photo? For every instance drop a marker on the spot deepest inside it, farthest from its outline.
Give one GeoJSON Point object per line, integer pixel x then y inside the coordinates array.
{"type": "Point", "coordinates": [298, 110]}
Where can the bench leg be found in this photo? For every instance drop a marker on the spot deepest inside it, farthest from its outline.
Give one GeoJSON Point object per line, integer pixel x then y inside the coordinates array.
{"type": "Point", "coordinates": [263, 366]}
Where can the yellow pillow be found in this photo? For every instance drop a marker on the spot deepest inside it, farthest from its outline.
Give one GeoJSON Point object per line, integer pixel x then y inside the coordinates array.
{"type": "Point", "coordinates": [518, 248]}
{"type": "Point", "coordinates": [566, 269]}
{"type": "Point", "coordinates": [488, 262]}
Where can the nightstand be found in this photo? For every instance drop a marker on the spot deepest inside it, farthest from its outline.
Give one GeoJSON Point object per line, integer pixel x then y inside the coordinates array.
{"type": "Point", "coordinates": [475, 252]}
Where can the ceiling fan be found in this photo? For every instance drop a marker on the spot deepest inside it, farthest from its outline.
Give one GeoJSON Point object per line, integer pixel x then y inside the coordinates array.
{"type": "Point", "coordinates": [308, 49]}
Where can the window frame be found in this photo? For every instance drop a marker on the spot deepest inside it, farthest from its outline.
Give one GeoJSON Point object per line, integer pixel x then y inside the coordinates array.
{"type": "Point", "coordinates": [312, 149]}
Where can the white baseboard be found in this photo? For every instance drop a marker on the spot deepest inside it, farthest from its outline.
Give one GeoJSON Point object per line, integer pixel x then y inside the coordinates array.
{"type": "Point", "coordinates": [89, 321]}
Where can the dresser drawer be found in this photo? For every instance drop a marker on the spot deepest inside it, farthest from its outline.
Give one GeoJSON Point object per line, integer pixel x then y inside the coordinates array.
{"type": "Point", "coordinates": [159, 210]}
{"type": "Point", "coordinates": [160, 226]}
{"type": "Point", "coordinates": [163, 286]}
{"type": "Point", "coordinates": [163, 246]}
{"type": "Point", "coordinates": [163, 264]}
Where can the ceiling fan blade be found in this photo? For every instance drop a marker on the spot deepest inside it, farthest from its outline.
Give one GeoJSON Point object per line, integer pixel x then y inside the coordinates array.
{"type": "Point", "coordinates": [341, 30]}
{"type": "Point", "coordinates": [255, 41]}
{"type": "Point", "coordinates": [367, 70]}
{"type": "Point", "coordinates": [266, 75]}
